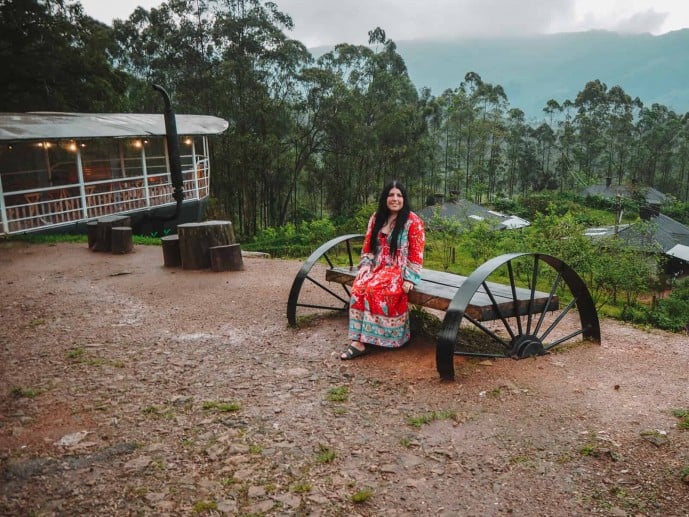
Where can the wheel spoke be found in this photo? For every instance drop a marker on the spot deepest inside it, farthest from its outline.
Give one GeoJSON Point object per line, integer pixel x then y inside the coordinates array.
{"type": "Point", "coordinates": [328, 307]}
{"type": "Point", "coordinates": [547, 304]}
{"type": "Point", "coordinates": [514, 298]}
{"type": "Point", "coordinates": [492, 334]}
{"type": "Point", "coordinates": [497, 309]}
{"type": "Point", "coordinates": [558, 319]}
{"type": "Point", "coordinates": [563, 339]}
{"type": "Point", "coordinates": [326, 289]}
{"type": "Point", "coordinates": [534, 279]}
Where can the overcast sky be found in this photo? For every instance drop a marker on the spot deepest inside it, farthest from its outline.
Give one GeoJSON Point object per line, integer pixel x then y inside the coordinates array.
{"type": "Point", "coordinates": [326, 22]}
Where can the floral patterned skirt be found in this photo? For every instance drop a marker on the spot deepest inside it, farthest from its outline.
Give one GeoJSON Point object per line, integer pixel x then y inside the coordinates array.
{"type": "Point", "coordinates": [379, 309]}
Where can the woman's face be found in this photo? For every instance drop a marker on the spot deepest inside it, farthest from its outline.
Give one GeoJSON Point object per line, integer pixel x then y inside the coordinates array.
{"type": "Point", "coordinates": [395, 200]}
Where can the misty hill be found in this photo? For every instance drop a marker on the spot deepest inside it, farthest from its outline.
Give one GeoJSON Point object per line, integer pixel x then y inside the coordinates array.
{"type": "Point", "coordinates": [533, 70]}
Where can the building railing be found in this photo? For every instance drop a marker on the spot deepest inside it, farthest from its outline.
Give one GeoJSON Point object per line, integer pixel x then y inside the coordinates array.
{"type": "Point", "coordinates": [47, 207]}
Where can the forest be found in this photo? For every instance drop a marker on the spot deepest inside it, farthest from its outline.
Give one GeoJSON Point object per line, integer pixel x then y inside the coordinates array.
{"type": "Point", "coordinates": [311, 141]}
{"type": "Point", "coordinates": [317, 137]}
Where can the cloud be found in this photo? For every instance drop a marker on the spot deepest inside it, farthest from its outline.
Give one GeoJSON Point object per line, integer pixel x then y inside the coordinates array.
{"type": "Point", "coordinates": [335, 21]}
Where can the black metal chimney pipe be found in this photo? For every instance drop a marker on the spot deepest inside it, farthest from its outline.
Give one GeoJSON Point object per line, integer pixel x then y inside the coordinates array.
{"type": "Point", "coordinates": [172, 151]}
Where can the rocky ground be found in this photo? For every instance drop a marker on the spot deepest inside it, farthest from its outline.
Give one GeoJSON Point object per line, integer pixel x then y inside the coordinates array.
{"type": "Point", "coordinates": [127, 388]}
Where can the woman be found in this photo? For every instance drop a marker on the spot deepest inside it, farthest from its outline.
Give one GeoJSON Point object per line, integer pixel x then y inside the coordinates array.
{"type": "Point", "coordinates": [390, 266]}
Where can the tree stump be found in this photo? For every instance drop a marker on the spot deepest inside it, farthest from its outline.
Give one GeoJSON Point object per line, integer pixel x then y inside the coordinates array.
{"type": "Point", "coordinates": [91, 233]}
{"type": "Point", "coordinates": [121, 239]}
{"type": "Point", "coordinates": [196, 238]}
{"type": "Point", "coordinates": [104, 230]}
{"type": "Point", "coordinates": [171, 255]}
{"type": "Point", "coordinates": [226, 258]}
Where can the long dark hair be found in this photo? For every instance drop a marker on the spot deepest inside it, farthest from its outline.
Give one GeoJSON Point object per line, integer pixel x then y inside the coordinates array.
{"type": "Point", "coordinates": [383, 213]}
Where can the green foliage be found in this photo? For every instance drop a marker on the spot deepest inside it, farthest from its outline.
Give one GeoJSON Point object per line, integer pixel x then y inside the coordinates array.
{"type": "Point", "coordinates": [339, 394]}
{"type": "Point", "coordinates": [671, 314]}
{"type": "Point", "coordinates": [361, 496]}
{"type": "Point", "coordinates": [293, 240]}
{"type": "Point", "coordinates": [427, 418]}
{"type": "Point", "coordinates": [325, 454]}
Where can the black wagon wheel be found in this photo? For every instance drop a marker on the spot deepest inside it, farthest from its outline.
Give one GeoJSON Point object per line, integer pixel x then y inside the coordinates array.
{"type": "Point", "coordinates": [340, 251]}
{"type": "Point", "coordinates": [525, 297]}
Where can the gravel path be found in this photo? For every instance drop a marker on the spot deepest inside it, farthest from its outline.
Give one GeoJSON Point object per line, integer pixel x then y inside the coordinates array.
{"type": "Point", "coordinates": [127, 388]}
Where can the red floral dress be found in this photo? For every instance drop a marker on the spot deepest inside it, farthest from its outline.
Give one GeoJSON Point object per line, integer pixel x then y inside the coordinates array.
{"type": "Point", "coordinates": [379, 308]}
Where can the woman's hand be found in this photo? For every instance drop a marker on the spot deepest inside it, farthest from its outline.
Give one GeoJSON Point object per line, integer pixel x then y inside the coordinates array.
{"type": "Point", "coordinates": [407, 286]}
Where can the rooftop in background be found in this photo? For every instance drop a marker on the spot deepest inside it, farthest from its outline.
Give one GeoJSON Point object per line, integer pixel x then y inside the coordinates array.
{"type": "Point", "coordinates": [56, 126]}
{"type": "Point", "coordinates": [610, 191]}
{"type": "Point", "coordinates": [462, 210]}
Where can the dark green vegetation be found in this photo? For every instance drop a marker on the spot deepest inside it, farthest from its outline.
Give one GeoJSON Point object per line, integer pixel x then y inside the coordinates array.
{"type": "Point", "coordinates": [312, 138]}
{"type": "Point", "coordinates": [311, 141]}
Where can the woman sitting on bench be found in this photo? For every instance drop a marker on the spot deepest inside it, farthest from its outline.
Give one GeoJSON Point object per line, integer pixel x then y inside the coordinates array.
{"type": "Point", "coordinates": [390, 266]}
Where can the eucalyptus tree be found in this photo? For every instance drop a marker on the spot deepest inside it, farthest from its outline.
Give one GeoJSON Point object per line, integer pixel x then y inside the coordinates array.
{"type": "Point", "coordinates": [516, 142]}
{"type": "Point", "coordinates": [658, 128]}
{"type": "Point", "coordinates": [55, 58]}
{"type": "Point", "coordinates": [590, 122]}
{"type": "Point", "coordinates": [377, 125]}
{"type": "Point", "coordinates": [620, 137]}
{"type": "Point", "coordinates": [258, 68]}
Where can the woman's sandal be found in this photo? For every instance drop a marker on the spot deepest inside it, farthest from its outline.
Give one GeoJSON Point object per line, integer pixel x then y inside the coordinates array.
{"type": "Point", "coordinates": [351, 352]}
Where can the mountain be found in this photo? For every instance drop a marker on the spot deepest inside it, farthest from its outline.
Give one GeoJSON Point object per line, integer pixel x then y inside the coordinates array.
{"type": "Point", "coordinates": [533, 70]}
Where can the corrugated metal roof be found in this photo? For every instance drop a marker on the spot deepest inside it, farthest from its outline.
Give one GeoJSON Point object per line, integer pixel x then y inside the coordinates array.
{"type": "Point", "coordinates": [680, 251]}
{"type": "Point", "coordinates": [56, 126]}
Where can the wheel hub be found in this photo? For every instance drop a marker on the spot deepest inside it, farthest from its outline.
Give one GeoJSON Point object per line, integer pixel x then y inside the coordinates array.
{"type": "Point", "coordinates": [526, 346]}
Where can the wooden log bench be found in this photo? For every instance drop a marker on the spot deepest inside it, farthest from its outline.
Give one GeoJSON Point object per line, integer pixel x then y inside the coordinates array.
{"type": "Point", "coordinates": [195, 239]}
{"type": "Point", "coordinates": [515, 304]}
{"type": "Point", "coordinates": [100, 232]}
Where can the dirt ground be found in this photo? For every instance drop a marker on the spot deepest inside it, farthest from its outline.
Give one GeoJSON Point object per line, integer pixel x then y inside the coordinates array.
{"type": "Point", "coordinates": [127, 388]}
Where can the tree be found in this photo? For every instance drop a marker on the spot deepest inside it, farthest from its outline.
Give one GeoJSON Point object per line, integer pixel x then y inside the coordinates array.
{"type": "Point", "coordinates": [55, 58]}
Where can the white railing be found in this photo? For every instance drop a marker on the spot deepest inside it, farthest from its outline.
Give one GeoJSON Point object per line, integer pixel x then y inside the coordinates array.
{"type": "Point", "coordinates": [41, 208]}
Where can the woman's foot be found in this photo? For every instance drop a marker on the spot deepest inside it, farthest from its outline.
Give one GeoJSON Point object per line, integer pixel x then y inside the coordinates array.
{"type": "Point", "coordinates": [355, 349]}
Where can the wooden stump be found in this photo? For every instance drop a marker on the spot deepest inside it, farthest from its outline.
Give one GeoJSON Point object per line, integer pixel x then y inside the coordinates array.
{"type": "Point", "coordinates": [196, 238]}
{"type": "Point", "coordinates": [104, 231]}
{"type": "Point", "coordinates": [121, 239]}
{"type": "Point", "coordinates": [171, 256]}
{"type": "Point", "coordinates": [91, 233]}
{"type": "Point", "coordinates": [226, 258]}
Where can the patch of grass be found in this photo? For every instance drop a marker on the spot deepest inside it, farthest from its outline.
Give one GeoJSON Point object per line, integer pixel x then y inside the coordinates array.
{"type": "Point", "coordinates": [339, 394]}
{"type": "Point", "coordinates": [406, 443]}
{"type": "Point", "coordinates": [204, 506]}
{"type": "Point", "coordinates": [228, 481]}
{"type": "Point", "coordinates": [362, 496]}
{"type": "Point", "coordinates": [427, 418]}
{"type": "Point", "coordinates": [36, 322]}
{"type": "Point", "coordinates": [27, 393]}
{"type": "Point", "coordinates": [76, 353]}
{"type": "Point", "coordinates": [684, 474]}
{"type": "Point", "coordinates": [79, 355]}
{"type": "Point", "coordinates": [325, 454]}
{"type": "Point", "coordinates": [165, 413]}
{"type": "Point", "coordinates": [519, 459]}
{"type": "Point", "coordinates": [588, 450]}
{"type": "Point", "coordinates": [494, 393]}
{"type": "Point", "coordinates": [221, 406]}
{"type": "Point", "coordinates": [301, 488]}
{"type": "Point", "coordinates": [339, 411]}
{"type": "Point", "coordinates": [683, 415]}
{"type": "Point", "coordinates": [256, 449]}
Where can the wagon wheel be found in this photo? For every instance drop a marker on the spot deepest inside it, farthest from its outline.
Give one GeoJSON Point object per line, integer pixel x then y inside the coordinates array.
{"type": "Point", "coordinates": [334, 252]}
{"type": "Point", "coordinates": [525, 315]}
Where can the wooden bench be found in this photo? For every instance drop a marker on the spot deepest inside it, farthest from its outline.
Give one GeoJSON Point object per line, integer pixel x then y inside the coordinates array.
{"type": "Point", "coordinates": [520, 309]}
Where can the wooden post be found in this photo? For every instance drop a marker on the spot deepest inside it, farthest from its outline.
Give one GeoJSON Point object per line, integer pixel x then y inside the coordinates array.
{"type": "Point", "coordinates": [226, 258]}
{"type": "Point", "coordinates": [104, 231]}
{"type": "Point", "coordinates": [171, 256]}
{"type": "Point", "coordinates": [121, 239]}
{"type": "Point", "coordinates": [196, 238]}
